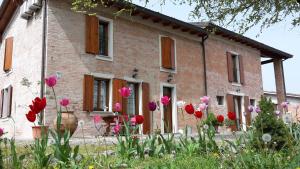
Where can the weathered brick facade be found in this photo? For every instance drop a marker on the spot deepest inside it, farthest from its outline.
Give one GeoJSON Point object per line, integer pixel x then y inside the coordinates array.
{"type": "Point", "coordinates": [136, 45]}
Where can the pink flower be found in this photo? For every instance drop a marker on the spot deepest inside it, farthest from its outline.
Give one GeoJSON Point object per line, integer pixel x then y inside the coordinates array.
{"type": "Point", "coordinates": [202, 106]}
{"type": "Point", "coordinates": [125, 91]}
{"type": "Point", "coordinates": [117, 129]}
{"type": "Point", "coordinates": [1, 132]}
{"type": "Point", "coordinates": [165, 100]}
{"type": "Point", "coordinates": [250, 109]}
{"type": "Point", "coordinates": [118, 107]}
{"type": "Point", "coordinates": [51, 81]}
{"type": "Point", "coordinates": [64, 102]}
{"type": "Point", "coordinates": [284, 105]}
{"type": "Point", "coordinates": [133, 120]}
{"type": "Point", "coordinates": [97, 119]}
{"type": "Point", "coordinates": [205, 99]}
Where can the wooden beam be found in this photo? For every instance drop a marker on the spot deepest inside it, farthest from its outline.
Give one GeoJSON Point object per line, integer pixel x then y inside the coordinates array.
{"type": "Point", "coordinates": [166, 23]}
{"type": "Point", "coordinates": [156, 20]}
{"type": "Point", "coordinates": [185, 29]}
{"type": "Point", "coordinates": [146, 16]}
{"type": "Point", "coordinates": [176, 26]}
{"type": "Point", "coordinates": [267, 61]}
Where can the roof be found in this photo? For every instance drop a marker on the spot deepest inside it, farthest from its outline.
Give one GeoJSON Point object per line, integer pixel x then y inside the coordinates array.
{"type": "Point", "coordinates": [292, 95]}
{"type": "Point", "coordinates": [7, 10]}
{"type": "Point", "coordinates": [266, 51]}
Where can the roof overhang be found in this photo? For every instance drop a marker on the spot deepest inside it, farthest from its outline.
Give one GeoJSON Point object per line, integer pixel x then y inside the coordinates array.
{"type": "Point", "coordinates": [7, 10]}
{"type": "Point", "coordinates": [265, 50]}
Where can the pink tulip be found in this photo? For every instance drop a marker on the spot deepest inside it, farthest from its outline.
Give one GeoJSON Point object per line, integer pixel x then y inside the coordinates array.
{"type": "Point", "coordinates": [284, 105]}
{"type": "Point", "coordinates": [125, 91]}
{"type": "Point", "coordinates": [51, 81]}
{"type": "Point", "coordinates": [117, 129]}
{"type": "Point", "coordinates": [250, 109]}
{"type": "Point", "coordinates": [64, 102]}
{"type": "Point", "coordinates": [1, 132]}
{"type": "Point", "coordinates": [165, 100]}
{"type": "Point", "coordinates": [202, 106]}
{"type": "Point", "coordinates": [133, 120]}
{"type": "Point", "coordinates": [97, 119]}
{"type": "Point", "coordinates": [118, 107]}
{"type": "Point", "coordinates": [205, 99]}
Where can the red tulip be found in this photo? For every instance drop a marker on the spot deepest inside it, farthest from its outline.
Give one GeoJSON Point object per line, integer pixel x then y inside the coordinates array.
{"type": "Point", "coordinates": [220, 118]}
{"type": "Point", "coordinates": [231, 115]}
{"type": "Point", "coordinates": [198, 114]}
{"type": "Point", "coordinates": [189, 109]}
{"type": "Point", "coordinates": [38, 104]}
{"type": "Point", "coordinates": [139, 119]}
{"type": "Point", "coordinates": [31, 116]}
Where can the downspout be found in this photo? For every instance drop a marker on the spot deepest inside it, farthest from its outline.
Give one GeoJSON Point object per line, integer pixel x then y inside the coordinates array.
{"type": "Point", "coordinates": [204, 62]}
{"type": "Point", "coordinates": [204, 66]}
{"type": "Point", "coordinates": [284, 87]}
{"type": "Point", "coordinates": [44, 38]}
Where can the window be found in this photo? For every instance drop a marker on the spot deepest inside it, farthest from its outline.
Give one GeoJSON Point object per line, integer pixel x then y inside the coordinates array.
{"type": "Point", "coordinates": [133, 100]}
{"type": "Point", "coordinates": [99, 37]}
{"type": "Point", "coordinates": [252, 102]}
{"type": "Point", "coordinates": [236, 69]}
{"type": "Point", "coordinates": [220, 100]}
{"type": "Point", "coordinates": [6, 102]}
{"type": "Point", "coordinates": [168, 53]}
{"type": "Point", "coordinates": [103, 38]}
{"type": "Point", "coordinates": [101, 95]}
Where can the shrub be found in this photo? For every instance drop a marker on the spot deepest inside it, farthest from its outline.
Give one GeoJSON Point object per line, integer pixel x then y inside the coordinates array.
{"type": "Point", "coordinates": [267, 123]}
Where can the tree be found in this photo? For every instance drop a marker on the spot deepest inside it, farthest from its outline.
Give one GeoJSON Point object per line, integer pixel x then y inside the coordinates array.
{"type": "Point", "coordinates": [239, 14]}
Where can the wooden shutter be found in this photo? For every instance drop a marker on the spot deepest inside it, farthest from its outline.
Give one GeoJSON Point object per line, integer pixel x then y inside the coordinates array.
{"type": "Point", "coordinates": [88, 92]}
{"type": "Point", "coordinates": [1, 102]}
{"type": "Point", "coordinates": [92, 35]}
{"type": "Point", "coordinates": [230, 108]}
{"type": "Point", "coordinates": [229, 66]}
{"type": "Point", "coordinates": [146, 111]}
{"type": "Point", "coordinates": [167, 53]}
{"type": "Point", "coordinates": [8, 54]}
{"type": "Point", "coordinates": [248, 114]}
{"type": "Point", "coordinates": [241, 64]}
{"type": "Point", "coordinates": [117, 98]}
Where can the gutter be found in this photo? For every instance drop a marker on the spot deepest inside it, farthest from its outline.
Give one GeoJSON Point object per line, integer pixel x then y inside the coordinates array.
{"type": "Point", "coordinates": [44, 38]}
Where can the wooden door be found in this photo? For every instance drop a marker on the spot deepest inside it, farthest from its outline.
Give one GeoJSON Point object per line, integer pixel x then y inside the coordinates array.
{"type": "Point", "coordinates": [167, 91]}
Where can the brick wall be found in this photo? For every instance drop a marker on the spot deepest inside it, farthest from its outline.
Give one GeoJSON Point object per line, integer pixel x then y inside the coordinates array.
{"type": "Point", "coordinates": [136, 45]}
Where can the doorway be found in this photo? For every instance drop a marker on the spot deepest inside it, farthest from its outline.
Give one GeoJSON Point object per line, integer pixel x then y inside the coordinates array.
{"type": "Point", "coordinates": [238, 111]}
{"type": "Point", "coordinates": [167, 111]}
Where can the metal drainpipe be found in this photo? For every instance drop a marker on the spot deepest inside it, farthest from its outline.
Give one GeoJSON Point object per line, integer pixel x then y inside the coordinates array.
{"type": "Point", "coordinates": [204, 66]}
{"type": "Point", "coordinates": [284, 87]}
{"type": "Point", "coordinates": [44, 38]}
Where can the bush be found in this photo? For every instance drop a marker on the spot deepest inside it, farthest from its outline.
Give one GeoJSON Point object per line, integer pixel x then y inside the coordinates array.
{"type": "Point", "coordinates": [267, 123]}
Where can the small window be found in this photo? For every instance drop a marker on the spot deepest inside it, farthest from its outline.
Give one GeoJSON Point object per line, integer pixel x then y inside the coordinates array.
{"type": "Point", "coordinates": [252, 102]}
{"type": "Point", "coordinates": [236, 68]}
{"type": "Point", "coordinates": [103, 37]}
{"type": "Point", "coordinates": [220, 100]}
{"type": "Point", "coordinates": [133, 101]}
{"type": "Point", "coordinates": [101, 95]}
{"type": "Point", "coordinates": [6, 102]}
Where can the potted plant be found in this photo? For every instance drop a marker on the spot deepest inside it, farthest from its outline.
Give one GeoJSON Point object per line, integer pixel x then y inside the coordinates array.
{"type": "Point", "coordinates": [37, 106]}
{"type": "Point", "coordinates": [230, 124]}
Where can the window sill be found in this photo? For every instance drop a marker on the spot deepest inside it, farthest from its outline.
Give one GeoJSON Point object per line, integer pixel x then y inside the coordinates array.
{"type": "Point", "coordinates": [168, 70]}
{"type": "Point", "coordinates": [7, 73]}
{"type": "Point", "coordinates": [105, 58]}
{"type": "Point", "coordinates": [236, 84]}
{"type": "Point", "coordinates": [103, 113]}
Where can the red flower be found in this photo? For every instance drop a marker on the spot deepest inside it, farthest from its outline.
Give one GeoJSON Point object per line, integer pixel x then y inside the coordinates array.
{"type": "Point", "coordinates": [231, 115]}
{"type": "Point", "coordinates": [220, 118]}
{"type": "Point", "coordinates": [31, 116]}
{"type": "Point", "coordinates": [139, 119]}
{"type": "Point", "coordinates": [38, 104]}
{"type": "Point", "coordinates": [189, 109]}
{"type": "Point", "coordinates": [198, 114]}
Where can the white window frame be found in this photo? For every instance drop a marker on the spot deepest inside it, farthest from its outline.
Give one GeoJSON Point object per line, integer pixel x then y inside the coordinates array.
{"type": "Point", "coordinates": [160, 57]}
{"type": "Point", "coordinates": [174, 107]}
{"type": "Point", "coordinates": [110, 39]}
{"type": "Point", "coordinates": [110, 94]}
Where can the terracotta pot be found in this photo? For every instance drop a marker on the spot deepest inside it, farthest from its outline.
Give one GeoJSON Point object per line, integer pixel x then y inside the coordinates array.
{"type": "Point", "coordinates": [233, 127]}
{"type": "Point", "coordinates": [68, 122]}
{"type": "Point", "coordinates": [38, 130]}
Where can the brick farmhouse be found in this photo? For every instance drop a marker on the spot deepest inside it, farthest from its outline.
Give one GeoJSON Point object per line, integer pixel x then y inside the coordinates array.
{"type": "Point", "coordinates": [153, 54]}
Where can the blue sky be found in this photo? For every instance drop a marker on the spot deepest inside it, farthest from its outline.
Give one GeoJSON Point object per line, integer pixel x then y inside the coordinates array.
{"type": "Point", "coordinates": [280, 36]}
